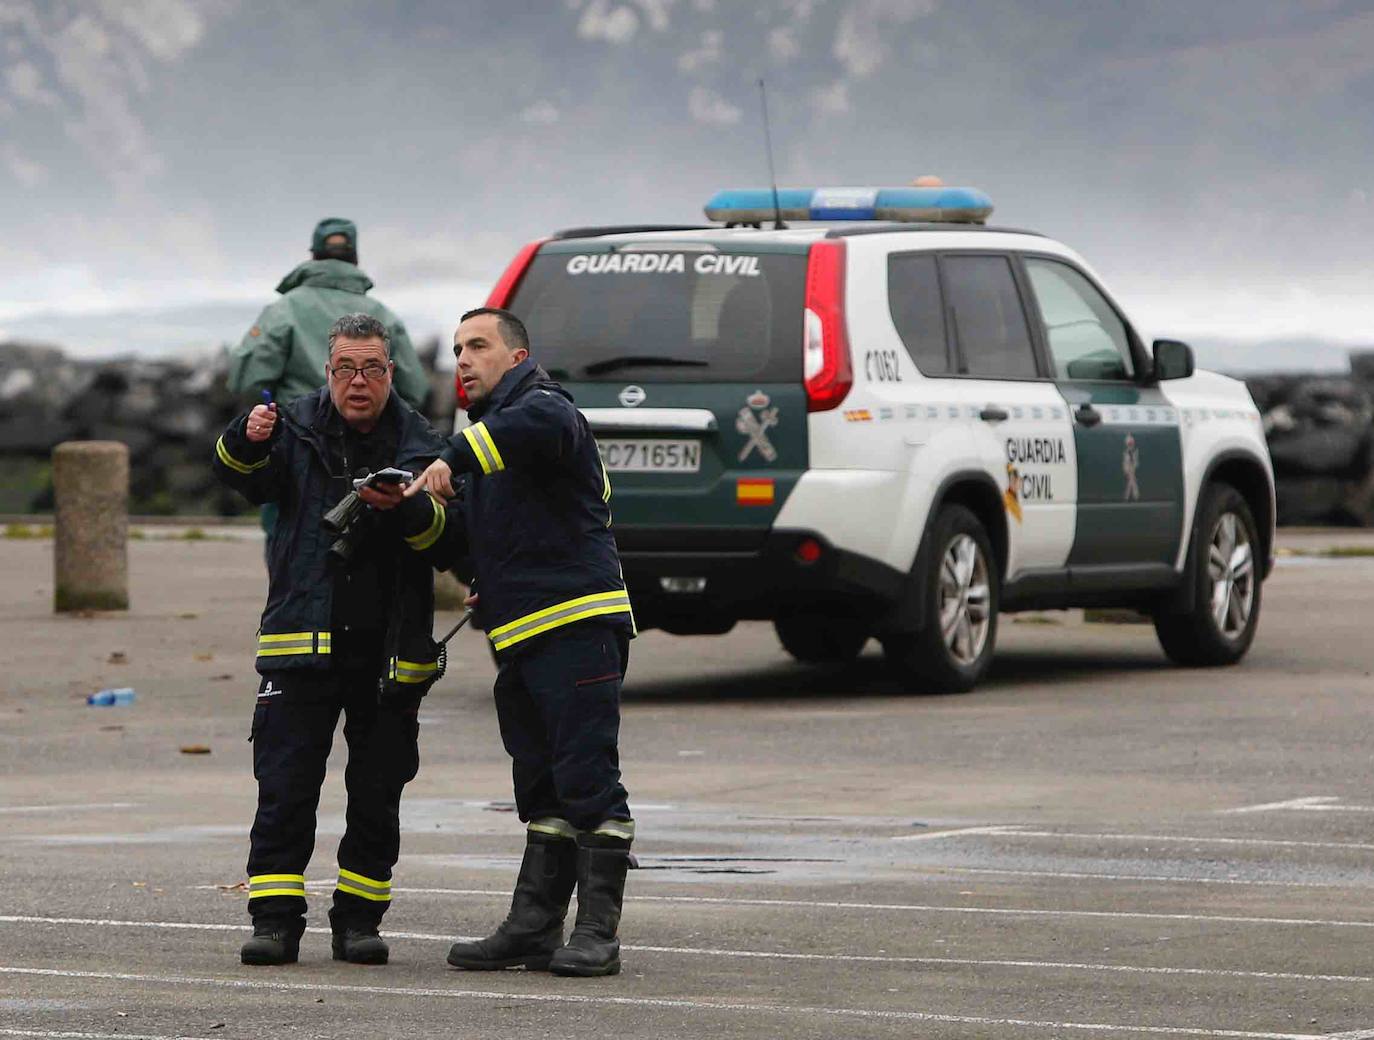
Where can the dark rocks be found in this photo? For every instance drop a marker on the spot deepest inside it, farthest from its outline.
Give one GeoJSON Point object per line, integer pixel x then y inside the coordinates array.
{"type": "Point", "coordinates": [168, 413]}
{"type": "Point", "coordinates": [1321, 439]}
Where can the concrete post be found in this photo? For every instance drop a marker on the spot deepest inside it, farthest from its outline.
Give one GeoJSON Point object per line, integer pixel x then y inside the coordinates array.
{"type": "Point", "coordinates": [91, 555]}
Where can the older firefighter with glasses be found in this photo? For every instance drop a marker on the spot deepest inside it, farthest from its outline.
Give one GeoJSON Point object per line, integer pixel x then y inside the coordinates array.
{"type": "Point", "coordinates": [553, 603]}
{"type": "Point", "coordinates": [346, 629]}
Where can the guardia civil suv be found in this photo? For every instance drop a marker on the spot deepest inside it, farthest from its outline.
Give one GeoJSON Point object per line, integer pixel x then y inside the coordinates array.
{"type": "Point", "coordinates": [862, 413]}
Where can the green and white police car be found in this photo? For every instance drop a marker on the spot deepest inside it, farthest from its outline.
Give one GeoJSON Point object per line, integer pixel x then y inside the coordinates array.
{"type": "Point", "coordinates": [893, 421]}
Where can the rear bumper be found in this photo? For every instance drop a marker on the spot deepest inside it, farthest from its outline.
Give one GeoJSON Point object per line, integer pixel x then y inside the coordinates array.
{"type": "Point", "coordinates": [746, 574]}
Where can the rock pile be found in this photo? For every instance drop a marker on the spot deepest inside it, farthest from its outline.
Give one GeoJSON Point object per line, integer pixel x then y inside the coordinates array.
{"type": "Point", "coordinates": [167, 411]}
{"type": "Point", "coordinates": [1321, 438]}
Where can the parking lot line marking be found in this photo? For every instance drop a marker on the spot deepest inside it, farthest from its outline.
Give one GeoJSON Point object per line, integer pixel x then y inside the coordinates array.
{"type": "Point", "coordinates": [65, 1034]}
{"type": "Point", "coordinates": [782, 955]}
{"type": "Point", "coordinates": [1181, 878]}
{"type": "Point", "coordinates": [1292, 803]}
{"type": "Point", "coordinates": [957, 832]}
{"type": "Point", "coordinates": [1316, 803]}
{"type": "Point", "coordinates": [1200, 839]}
{"type": "Point", "coordinates": [1354, 1034]}
{"type": "Point", "coordinates": [823, 904]}
{"type": "Point", "coordinates": [78, 807]}
{"type": "Point", "coordinates": [670, 1003]}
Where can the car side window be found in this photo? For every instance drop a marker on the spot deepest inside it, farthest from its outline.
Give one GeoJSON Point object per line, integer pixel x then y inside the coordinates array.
{"type": "Point", "coordinates": [913, 298]}
{"type": "Point", "coordinates": [989, 320]}
{"type": "Point", "coordinates": [1087, 339]}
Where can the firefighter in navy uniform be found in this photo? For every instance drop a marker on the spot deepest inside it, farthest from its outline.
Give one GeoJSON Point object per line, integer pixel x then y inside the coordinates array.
{"type": "Point", "coordinates": [347, 628]}
{"type": "Point", "coordinates": [553, 602]}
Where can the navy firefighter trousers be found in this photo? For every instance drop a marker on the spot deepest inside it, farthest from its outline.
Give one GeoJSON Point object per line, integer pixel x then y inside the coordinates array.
{"type": "Point", "coordinates": [293, 728]}
{"type": "Point", "coordinates": [558, 705]}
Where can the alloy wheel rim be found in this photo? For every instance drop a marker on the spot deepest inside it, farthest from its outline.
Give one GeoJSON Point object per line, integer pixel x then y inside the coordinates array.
{"type": "Point", "coordinates": [965, 600]}
{"type": "Point", "coordinates": [1231, 571]}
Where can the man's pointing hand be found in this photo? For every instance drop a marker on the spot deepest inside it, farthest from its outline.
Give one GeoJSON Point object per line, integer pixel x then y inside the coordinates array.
{"type": "Point", "coordinates": [437, 479]}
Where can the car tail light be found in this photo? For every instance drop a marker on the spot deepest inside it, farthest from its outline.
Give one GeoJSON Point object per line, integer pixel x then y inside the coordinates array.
{"type": "Point", "coordinates": [509, 281]}
{"type": "Point", "coordinates": [809, 550]}
{"type": "Point", "coordinates": [500, 295]}
{"type": "Point", "coordinates": [826, 366]}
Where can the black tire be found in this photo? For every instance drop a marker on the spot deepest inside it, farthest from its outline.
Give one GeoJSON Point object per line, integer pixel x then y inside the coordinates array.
{"type": "Point", "coordinates": [925, 661]}
{"type": "Point", "coordinates": [1195, 637]}
{"type": "Point", "coordinates": [816, 639]}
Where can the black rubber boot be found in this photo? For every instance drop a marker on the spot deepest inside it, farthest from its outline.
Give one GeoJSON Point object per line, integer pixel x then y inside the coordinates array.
{"type": "Point", "coordinates": [593, 948]}
{"type": "Point", "coordinates": [534, 927]}
{"type": "Point", "coordinates": [360, 944]}
{"type": "Point", "coordinates": [275, 941]}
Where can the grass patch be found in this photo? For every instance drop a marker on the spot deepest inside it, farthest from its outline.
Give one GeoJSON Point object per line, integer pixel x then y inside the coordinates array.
{"type": "Point", "coordinates": [28, 531]}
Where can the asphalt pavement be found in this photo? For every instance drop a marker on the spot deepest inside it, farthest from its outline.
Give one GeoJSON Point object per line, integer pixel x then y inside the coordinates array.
{"type": "Point", "coordinates": [1092, 844]}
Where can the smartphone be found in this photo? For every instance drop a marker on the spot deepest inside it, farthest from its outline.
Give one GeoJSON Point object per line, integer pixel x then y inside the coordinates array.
{"type": "Point", "coordinates": [389, 476]}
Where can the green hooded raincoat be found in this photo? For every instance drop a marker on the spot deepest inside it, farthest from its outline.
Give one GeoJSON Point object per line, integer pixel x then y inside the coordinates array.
{"type": "Point", "coordinates": [286, 350]}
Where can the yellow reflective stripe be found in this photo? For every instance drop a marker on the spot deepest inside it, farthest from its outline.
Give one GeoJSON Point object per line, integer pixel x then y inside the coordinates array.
{"type": "Point", "coordinates": [496, 460]}
{"type": "Point", "coordinates": [605, 484]}
{"type": "Point", "coordinates": [283, 644]}
{"type": "Point", "coordinates": [262, 885]}
{"type": "Point", "coordinates": [412, 671]}
{"type": "Point", "coordinates": [596, 597]}
{"type": "Point", "coordinates": [366, 887]}
{"type": "Point", "coordinates": [235, 464]}
{"type": "Point", "coordinates": [258, 878]}
{"type": "Point", "coordinates": [478, 449]}
{"type": "Point", "coordinates": [507, 641]}
{"type": "Point", "coordinates": [617, 829]}
{"type": "Point", "coordinates": [559, 828]}
{"type": "Point", "coordinates": [259, 894]}
{"type": "Point", "coordinates": [430, 535]}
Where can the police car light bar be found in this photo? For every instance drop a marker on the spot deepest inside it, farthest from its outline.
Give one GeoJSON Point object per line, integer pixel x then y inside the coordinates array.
{"type": "Point", "coordinates": [938, 205]}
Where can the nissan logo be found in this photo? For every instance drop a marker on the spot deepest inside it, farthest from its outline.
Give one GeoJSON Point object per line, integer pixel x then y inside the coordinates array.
{"type": "Point", "coordinates": [631, 396]}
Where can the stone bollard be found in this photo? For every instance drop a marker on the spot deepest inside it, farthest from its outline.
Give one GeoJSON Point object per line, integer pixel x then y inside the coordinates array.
{"type": "Point", "coordinates": [91, 556]}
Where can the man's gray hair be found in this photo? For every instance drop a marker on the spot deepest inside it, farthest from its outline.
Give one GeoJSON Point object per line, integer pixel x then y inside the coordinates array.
{"type": "Point", "coordinates": [359, 326]}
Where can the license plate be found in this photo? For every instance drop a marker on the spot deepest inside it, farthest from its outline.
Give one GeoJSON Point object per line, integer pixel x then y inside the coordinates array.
{"type": "Point", "coordinates": [650, 456]}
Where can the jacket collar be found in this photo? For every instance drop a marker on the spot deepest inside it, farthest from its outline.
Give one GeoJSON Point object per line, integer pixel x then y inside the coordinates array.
{"type": "Point", "coordinates": [511, 383]}
{"type": "Point", "coordinates": [326, 274]}
{"type": "Point", "coordinates": [313, 416]}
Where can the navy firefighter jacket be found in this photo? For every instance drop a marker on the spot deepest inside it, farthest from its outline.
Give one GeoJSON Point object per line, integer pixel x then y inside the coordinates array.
{"type": "Point", "coordinates": [296, 468]}
{"type": "Point", "coordinates": [537, 513]}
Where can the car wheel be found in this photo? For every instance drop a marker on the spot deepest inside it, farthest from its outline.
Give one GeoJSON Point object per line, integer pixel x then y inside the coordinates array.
{"type": "Point", "coordinates": [815, 639]}
{"type": "Point", "coordinates": [1226, 585]}
{"type": "Point", "coordinates": [954, 649]}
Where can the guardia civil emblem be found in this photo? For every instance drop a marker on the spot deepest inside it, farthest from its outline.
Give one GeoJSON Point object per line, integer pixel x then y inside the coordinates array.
{"type": "Point", "coordinates": [755, 419]}
{"type": "Point", "coordinates": [1130, 462]}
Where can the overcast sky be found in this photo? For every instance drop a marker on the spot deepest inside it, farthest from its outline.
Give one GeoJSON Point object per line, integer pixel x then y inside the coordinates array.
{"type": "Point", "coordinates": [163, 161]}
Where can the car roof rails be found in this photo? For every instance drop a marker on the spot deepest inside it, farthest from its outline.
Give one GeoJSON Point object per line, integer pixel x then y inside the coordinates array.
{"type": "Point", "coordinates": [849, 231]}
{"type": "Point", "coordinates": [627, 229]}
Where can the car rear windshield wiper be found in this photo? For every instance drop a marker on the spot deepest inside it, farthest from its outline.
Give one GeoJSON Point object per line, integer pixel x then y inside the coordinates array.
{"type": "Point", "coordinates": [597, 368]}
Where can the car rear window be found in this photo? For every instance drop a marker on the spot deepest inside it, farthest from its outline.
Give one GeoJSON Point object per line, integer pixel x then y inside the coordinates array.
{"type": "Point", "coordinates": [665, 315]}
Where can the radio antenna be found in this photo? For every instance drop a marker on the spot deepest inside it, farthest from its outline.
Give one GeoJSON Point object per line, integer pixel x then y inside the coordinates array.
{"type": "Point", "coordinates": [768, 147]}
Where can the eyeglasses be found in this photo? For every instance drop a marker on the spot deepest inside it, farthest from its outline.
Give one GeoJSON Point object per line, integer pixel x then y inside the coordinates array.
{"type": "Point", "coordinates": [372, 370]}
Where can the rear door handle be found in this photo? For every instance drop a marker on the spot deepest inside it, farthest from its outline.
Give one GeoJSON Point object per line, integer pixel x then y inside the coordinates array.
{"type": "Point", "coordinates": [992, 413]}
{"type": "Point", "coordinates": [1087, 415]}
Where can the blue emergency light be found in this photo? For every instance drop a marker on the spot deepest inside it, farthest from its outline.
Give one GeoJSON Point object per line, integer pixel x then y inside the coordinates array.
{"type": "Point", "coordinates": [936, 204]}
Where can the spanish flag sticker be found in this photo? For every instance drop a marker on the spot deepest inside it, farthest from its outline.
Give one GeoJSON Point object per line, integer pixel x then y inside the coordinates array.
{"type": "Point", "coordinates": [754, 491]}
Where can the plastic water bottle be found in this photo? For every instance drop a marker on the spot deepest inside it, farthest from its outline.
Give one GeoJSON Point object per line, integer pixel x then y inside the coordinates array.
{"type": "Point", "coordinates": [107, 698]}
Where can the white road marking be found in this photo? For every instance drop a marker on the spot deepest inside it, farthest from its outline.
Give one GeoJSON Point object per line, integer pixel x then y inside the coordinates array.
{"type": "Point", "coordinates": [1180, 878]}
{"type": "Point", "coordinates": [1193, 838]}
{"type": "Point", "coordinates": [670, 1003]}
{"type": "Point", "coordinates": [1354, 1034]}
{"type": "Point", "coordinates": [79, 807]}
{"type": "Point", "coordinates": [54, 1034]}
{"type": "Point", "coordinates": [818, 904]}
{"type": "Point", "coordinates": [1315, 803]}
{"type": "Point", "coordinates": [930, 836]}
{"type": "Point", "coordinates": [784, 955]}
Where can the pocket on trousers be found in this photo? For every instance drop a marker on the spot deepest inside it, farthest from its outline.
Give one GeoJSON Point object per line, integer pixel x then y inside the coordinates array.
{"type": "Point", "coordinates": [259, 719]}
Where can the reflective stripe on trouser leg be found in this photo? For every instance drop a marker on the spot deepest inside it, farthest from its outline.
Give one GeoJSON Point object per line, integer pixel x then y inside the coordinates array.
{"type": "Point", "coordinates": [365, 887]}
{"type": "Point", "coordinates": [622, 829]}
{"type": "Point", "coordinates": [552, 825]}
{"type": "Point", "coordinates": [262, 885]}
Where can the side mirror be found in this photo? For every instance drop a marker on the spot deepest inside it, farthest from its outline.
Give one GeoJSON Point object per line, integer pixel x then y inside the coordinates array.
{"type": "Point", "coordinates": [1173, 360]}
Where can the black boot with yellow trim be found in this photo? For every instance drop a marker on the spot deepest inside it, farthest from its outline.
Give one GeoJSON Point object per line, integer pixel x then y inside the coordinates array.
{"type": "Point", "coordinates": [533, 929]}
{"type": "Point", "coordinates": [603, 857]}
{"type": "Point", "coordinates": [359, 902]}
